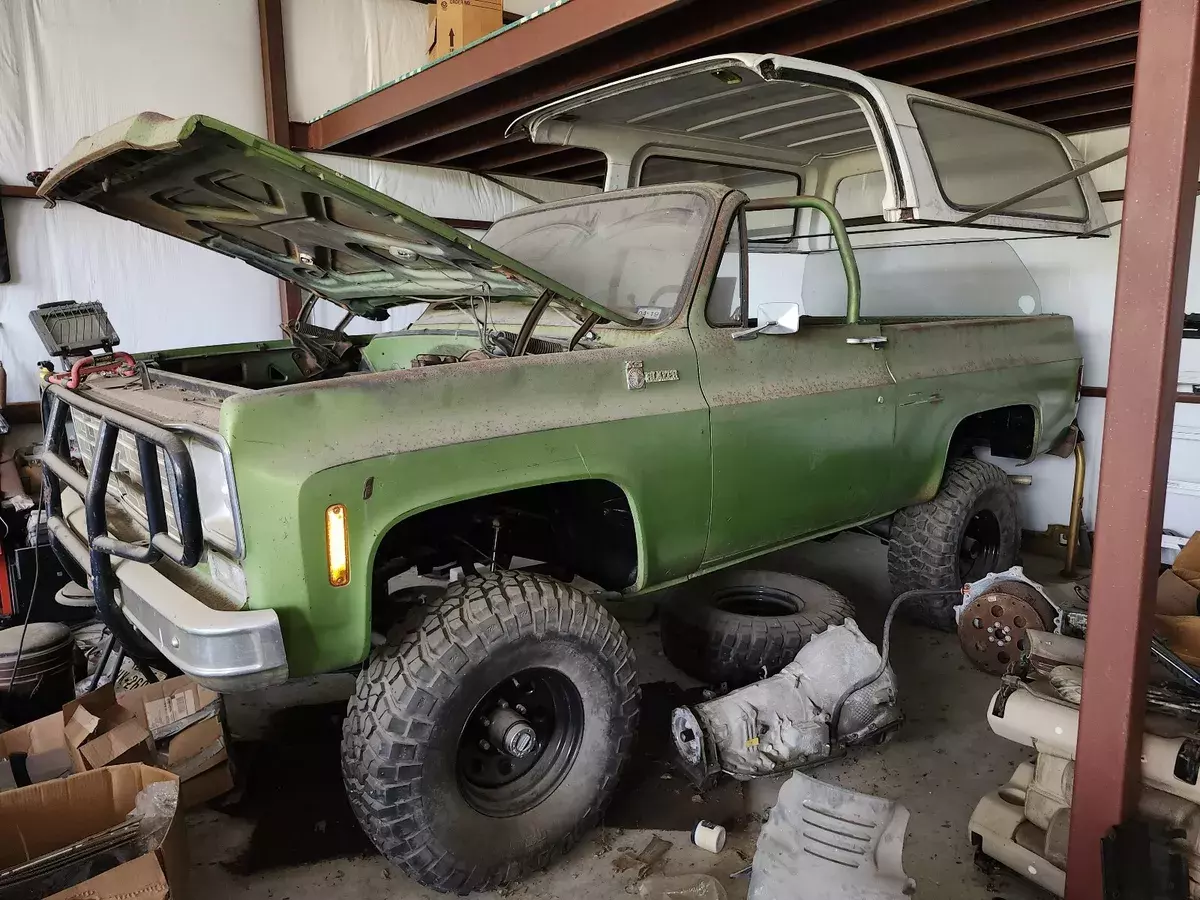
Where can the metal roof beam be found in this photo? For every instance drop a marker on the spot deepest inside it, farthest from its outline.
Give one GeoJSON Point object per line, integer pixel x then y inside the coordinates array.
{"type": "Point", "coordinates": [984, 22]}
{"type": "Point", "coordinates": [1114, 118]}
{"type": "Point", "coordinates": [1060, 89]}
{"type": "Point", "coordinates": [1108, 101]}
{"type": "Point", "coordinates": [518, 152]}
{"type": "Point", "coordinates": [1022, 75]}
{"type": "Point", "coordinates": [866, 22]}
{"type": "Point", "coordinates": [577, 173]}
{"type": "Point", "coordinates": [1094, 31]}
{"type": "Point", "coordinates": [569, 160]}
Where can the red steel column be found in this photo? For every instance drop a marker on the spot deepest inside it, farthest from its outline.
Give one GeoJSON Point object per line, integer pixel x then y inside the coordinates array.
{"type": "Point", "coordinates": [1156, 239]}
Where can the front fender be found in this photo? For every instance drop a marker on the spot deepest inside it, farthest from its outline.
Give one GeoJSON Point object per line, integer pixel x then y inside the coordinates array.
{"type": "Point", "coordinates": [327, 627]}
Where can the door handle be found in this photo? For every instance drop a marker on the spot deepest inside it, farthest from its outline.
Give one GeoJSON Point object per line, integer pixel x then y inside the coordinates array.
{"type": "Point", "coordinates": [874, 340]}
{"type": "Point", "coordinates": [932, 398]}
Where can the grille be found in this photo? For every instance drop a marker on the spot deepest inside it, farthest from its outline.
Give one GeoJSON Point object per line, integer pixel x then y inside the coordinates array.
{"type": "Point", "coordinates": [125, 484]}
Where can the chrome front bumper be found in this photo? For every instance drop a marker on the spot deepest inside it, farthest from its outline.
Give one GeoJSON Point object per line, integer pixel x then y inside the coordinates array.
{"type": "Point", "coordinates": [223, 650]}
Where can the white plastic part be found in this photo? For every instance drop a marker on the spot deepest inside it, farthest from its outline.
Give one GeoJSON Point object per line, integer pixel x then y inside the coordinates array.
{"type": "Point", "coordinates": [835, 842]}
{"type": "Point", "coordinates": [993, 824]}
{"type": "Point", "coordinates": [709, 836]}
{"type": "Point", "coordinates": [1052, 727]}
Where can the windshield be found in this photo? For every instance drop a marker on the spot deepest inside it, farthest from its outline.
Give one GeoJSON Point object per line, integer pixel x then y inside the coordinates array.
{"type": "Point", "coordinates": [632, 254]}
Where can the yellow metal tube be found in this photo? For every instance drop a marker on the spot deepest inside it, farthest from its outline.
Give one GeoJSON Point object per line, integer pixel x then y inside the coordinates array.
{"type": "Point", "coordinates": [1076, 520]}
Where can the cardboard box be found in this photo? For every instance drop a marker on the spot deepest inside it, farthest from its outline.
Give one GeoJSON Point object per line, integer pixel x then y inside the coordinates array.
{"type": "Point", "coordinates": [100, 732]}
{"type": "Point", "coordinates": [181, 723]}
{"type": "Point", "coordinates": [104, 728]}
{"type": "Point", "coordinates": [142, 878]}
{"type": "Point", "coordinates": [168, 707]}
{"type": "Point", "coordinates": [33, 753]}
{"type": "Point", "coordinates": [43, 818]}
{"type": "Point", "coordinates": [455, 23]}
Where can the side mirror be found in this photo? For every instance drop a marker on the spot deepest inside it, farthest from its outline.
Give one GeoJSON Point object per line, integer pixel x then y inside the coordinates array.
{"type": "Point", "coordinates": [777, 318]}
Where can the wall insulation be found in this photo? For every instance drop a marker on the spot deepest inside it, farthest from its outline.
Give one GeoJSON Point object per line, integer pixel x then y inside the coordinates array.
{"type": "Point", "coordinates": [71, 67]}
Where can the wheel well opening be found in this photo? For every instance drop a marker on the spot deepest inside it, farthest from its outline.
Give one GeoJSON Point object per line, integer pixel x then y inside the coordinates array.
{"type": "Point", "coordinates": [577, 528]}
{"type": "Point", "coordinates": [1008, 432]}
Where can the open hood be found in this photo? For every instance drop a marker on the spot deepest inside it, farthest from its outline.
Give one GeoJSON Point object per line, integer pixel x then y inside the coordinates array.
{"type": "Point", "coordinates": [215, 185]}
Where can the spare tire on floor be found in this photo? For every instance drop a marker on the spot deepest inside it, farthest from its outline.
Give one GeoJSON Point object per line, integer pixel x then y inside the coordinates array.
{"type": "Point", "coordinates": [733, 627]}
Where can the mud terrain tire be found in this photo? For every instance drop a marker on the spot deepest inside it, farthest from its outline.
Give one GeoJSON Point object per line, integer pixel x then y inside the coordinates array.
{"type": "Point", "coordinates": [970, 528]}
{"type": "Point", "coordinates": [409, 726]}
{"type": "Point", "coordinates": [732, 627]}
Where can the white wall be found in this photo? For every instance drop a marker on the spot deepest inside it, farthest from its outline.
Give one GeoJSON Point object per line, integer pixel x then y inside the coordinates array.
{"type": "Point", "coordinates": [337, 51]}
{"type": "Point", "coordinates": [71, 67]}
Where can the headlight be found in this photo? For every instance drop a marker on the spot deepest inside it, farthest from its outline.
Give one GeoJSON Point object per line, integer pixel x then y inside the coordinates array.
{"type": "Point", "coordinates": [218, 514]}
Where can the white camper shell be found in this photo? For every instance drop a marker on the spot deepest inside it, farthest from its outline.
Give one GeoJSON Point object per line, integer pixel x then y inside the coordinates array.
{"type": "Point", "coordinates": [775, 125]}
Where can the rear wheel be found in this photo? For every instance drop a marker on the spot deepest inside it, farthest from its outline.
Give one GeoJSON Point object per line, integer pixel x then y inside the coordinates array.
{"type": "Point", "coordinates": [486, 741]}
{"type": "Point", "coordinates": [968, 530]}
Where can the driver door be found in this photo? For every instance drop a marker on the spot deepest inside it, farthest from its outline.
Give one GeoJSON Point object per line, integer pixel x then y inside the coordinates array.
{"type": "Point", "coordinates": [801, 424]}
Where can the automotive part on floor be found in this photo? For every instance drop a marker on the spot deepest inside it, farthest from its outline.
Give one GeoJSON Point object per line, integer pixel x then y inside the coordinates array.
{"type": "Point", "coordinates": [785, 721]}
{"type": "Point", "coordinates": [838, 843]}
{"type": "Point", "coordinates": [736, 627]}
{"type": "Point", "coordinates": [709, 836]}
{"type": "Point", "coordinates": [486, 742]}
{"type": "Point", "coordinates": [968, 530]}
{"type": "Point", "coordinates": [1025, 824]}
{"type": "Point", "coordinates": [996, 615]}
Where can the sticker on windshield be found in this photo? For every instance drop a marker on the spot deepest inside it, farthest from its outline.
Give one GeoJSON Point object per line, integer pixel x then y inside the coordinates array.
{"type": "Point", "coordinates": [650, 313]}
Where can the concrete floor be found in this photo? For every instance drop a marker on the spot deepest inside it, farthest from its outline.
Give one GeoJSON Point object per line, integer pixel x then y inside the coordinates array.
{"type": "Point", "coordinates": [290, 836]}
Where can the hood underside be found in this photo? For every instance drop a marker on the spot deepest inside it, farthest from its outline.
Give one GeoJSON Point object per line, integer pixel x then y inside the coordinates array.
{"type": "Point", "coordinates": [215, 185]}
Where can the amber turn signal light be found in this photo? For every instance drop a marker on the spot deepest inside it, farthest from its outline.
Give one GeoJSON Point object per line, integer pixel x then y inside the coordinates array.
{"type": "Point", "coordinates": [337, 545]}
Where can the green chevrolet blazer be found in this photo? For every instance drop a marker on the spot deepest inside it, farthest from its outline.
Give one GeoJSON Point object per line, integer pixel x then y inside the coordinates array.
{"type": "Point", "coordinates": [601, 397]}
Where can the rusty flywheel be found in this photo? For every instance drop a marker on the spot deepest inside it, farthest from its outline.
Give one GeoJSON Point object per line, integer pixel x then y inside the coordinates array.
{"type": "Point", "coordinates": [993, 626]}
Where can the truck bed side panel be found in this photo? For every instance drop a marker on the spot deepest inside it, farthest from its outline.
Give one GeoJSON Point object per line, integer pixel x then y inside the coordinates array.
{"type": "Point", "coordinates": [947, 370]}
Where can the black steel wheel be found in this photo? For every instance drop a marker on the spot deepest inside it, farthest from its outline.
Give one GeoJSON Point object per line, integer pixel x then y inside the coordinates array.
{"type": "Point", "coordinates": [500, 781]}
{"type": "Point", "coordinates": [981, 545]}
{"type": "Point", "coordinates": [970, 528]}
{"type": "Point", "coordinates": [734, 627]}
{"type": "Point", "coordinates": [484, 742]}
